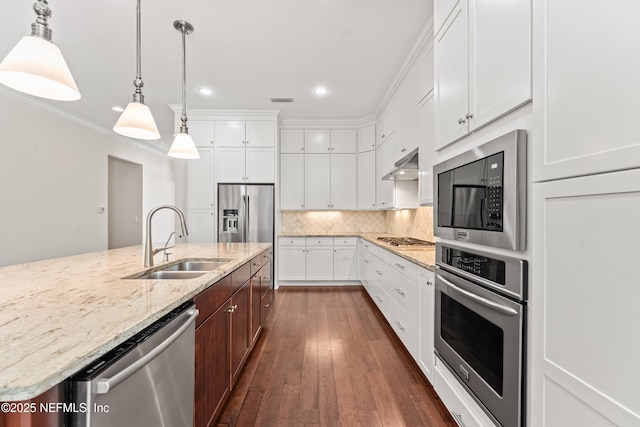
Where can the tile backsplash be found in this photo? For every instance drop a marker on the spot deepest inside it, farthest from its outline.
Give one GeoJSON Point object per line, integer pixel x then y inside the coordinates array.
{"type": "Point", "coordinates": [333, 221]}
{"type": "Point", "coordinates": [416, 223]}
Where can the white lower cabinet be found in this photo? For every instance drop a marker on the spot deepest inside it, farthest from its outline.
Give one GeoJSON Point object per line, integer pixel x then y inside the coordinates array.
{"type": "Point", "coordinates": [345, 257]}
{"type": "Point", "coordinates": [292, 258]}
{"type": "Point", "coordinates": [319, 258]}
{"type": "Point", "coordinates": [202, 226]}
{"type": "Point", "coordinates": [426, 321]}
{"type": "Point", "coordinates": [463, 408]}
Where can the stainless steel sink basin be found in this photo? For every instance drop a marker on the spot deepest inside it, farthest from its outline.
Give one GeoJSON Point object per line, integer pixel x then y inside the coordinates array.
{"type": "Point", "coordinates": [187, 269]}
{"type": "Point", "coordinates": [197, 265]}
{"type": "Point", "coordinates": [164, 275]}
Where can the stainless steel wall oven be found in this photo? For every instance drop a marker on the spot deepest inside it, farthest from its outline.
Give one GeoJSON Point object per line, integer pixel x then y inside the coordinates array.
{"type": "Point", "coordinates": [481, 194]}
{"type": "Point", "coordinates": [480, 327]}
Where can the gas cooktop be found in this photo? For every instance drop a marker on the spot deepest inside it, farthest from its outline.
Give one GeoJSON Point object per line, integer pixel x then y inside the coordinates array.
{"type": "Point", "coordinates": [406, 242]}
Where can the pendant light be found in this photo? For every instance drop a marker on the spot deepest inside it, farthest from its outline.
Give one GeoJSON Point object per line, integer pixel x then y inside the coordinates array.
{"type": "Point", "coordinates": [36, 65]}
{"type": "Point", "coordinates": [136, 120]}
{"type": "Point", "coordinates": [183, 146]}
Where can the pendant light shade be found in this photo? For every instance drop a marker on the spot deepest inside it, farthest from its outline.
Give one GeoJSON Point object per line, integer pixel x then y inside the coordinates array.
{"type": "Point", "coordinates": [36, 66]}
{"type": "Point", "coordinates": [183, 146]}
{"type": "Point", "coordinates": [136, 121]}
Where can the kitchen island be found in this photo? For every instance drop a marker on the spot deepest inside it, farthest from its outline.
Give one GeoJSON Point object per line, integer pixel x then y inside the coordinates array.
{"type": "Point", "coordinates": [58, 315]}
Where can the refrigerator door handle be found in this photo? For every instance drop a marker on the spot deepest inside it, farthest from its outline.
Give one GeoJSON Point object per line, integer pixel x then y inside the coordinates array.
{"type": "Point", "coordinates": [248, 212]}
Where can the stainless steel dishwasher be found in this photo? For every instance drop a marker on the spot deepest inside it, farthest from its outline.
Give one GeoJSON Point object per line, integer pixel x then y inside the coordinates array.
{"type": "Point", "coordinates": [146, 381]}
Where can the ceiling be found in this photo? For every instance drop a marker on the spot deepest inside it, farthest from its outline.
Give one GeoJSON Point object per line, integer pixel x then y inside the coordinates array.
{"type": "Point", "coordinates": [246, 51]}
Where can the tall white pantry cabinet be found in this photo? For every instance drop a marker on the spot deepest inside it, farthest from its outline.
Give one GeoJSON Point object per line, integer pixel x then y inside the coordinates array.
{"type": "Point", "coordinates": [586, 208]}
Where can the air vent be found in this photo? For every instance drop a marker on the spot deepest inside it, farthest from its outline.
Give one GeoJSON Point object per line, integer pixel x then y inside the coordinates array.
{"type": "Point", "coordinates": [281, 99]}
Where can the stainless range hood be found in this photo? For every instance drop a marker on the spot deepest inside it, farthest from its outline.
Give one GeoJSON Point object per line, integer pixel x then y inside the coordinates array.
{"type": "Point", "coordinates": [405, 169]}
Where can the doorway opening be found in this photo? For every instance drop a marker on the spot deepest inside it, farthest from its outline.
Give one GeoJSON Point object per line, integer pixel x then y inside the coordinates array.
{"type": "Point", "coordinates": [125, 203]}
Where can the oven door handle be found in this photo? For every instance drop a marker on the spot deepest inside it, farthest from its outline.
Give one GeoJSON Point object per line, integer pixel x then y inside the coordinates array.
{"type": "Point", "coordinates": [487, 303]}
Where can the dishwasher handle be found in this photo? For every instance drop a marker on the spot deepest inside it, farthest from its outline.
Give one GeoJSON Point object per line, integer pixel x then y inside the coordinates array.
{"type": "Point", "coordinates": [105, 385]}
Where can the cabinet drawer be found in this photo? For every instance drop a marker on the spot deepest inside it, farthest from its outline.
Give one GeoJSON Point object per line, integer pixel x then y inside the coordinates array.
{"type": "Point", "coordinates": [457, 400]}
{"type": "Point", "coordinates": [266, 256]}
{"type": "Point", "coordinates": [379, 297]}
{"type": "Point", "coordinates": [255, 263]}
{"type": "Point", "coordinates": [404, 266]}
{"type": "Point", "coordinates": [292, 241]}
{"type": "Point", "coordinates": [240, 276]}
{"type": "Point", "coordinates": [265, 305]}
{"type": "Point", "coordinates": [404, 292]}
{"type": "Point", "coordinates": [381, 253]}
{"type": "Point", "coordinates": [345, 241]}
{"type": "Point", "coordinates": [404, 327]}
{"type": "Point", "coordinates": [381, 272]}
{"type": "Point", "coordinates": [319, 241]}
{"type": "Point", "coordinates": [211, 298]}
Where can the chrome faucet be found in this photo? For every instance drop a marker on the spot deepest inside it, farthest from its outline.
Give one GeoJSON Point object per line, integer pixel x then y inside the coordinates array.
{"type": "Point", "coordinates": [149, 252]}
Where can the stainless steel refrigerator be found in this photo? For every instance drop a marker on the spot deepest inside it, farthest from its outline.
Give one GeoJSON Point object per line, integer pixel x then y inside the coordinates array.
{"type": "Point", "coordinates": [245, 213]}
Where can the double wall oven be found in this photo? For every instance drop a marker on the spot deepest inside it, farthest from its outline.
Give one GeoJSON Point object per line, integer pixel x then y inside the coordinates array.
{"type": "Point", "coordinates": [480, 309]}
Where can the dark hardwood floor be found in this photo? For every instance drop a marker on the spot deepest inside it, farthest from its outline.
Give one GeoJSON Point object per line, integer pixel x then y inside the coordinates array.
{"type": "Point", "coordinates": [327, 358]}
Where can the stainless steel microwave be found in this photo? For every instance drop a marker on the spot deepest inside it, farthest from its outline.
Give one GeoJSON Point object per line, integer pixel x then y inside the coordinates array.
{"type": "Point", "coordinates": [481, 194]}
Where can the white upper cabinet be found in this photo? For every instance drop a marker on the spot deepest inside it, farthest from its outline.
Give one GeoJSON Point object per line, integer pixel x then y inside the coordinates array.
{"type": "Point", "coordinates": [317, 181]}
{"type": "Point", "coordinates": [482, 65]}
{"type": "Point", "coordinates": [587, 88]}
{"type": "Point", "coordinates": [426, 76]}
{"type": "Point", "coordinates": [202, 132]}
{"type": "Point", "coordinates": [343, 181]}
{"type": "Point", "coordinates": [260, 133]}
{"type": "Point", "coordinates": [442, 10]}
{"type": "Point", "coordinates": [426, 153]}
{"type": "Point", "coordinates": [201, 180]}
{"type": "Point", "coordinates": [245, 151]}
{"type": "Point", "coordinates": [230, 133]}
{"type": "Point", "coordinates": [384, 163]}
{"type": "Point", "coordinates": [387, 123]}
{"type": "Point", "coordinates": [366, 180]}
{"type": "Point", "coordinates": [291, 181]}
{"type": "Point", "coordinates": [407, 120]}
{"type": "Point", "coordinates": [292, 141]}
{"type": "Point", "coordinates": [317, 141]}
{"type": "Point", "coordinates": [343, 141]}
{"type": "Point", "coordinates": [367, 139]}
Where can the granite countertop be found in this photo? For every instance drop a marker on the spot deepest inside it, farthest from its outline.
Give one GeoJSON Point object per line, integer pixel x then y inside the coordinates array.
{"type": "Point", "coordinates": [58, 315]}
{"type": "Point", "coordinates": [424, 257]}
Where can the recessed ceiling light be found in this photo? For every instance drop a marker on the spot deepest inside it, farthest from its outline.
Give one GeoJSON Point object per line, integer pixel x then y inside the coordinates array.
{"type": "Point", "coordinates": [320, 91]}
{"type": "Point", "coordinates": [206, 91]}
{"type": "Point", "coordinates": [117, 109]}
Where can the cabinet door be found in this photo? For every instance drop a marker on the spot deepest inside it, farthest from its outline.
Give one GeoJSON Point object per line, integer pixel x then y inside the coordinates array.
{"type": "Point", "coordinates": [343, 141]}
{"type": "Point", "coordinates": [201, 180]}
{"type": "Point", "coordinates": [366, 139]}
{"type": "Point", "coordinates": [212, 377]}
{"type": "Point", "coordinates": [202, 226]}
{"type": "Point", "coordinates": [256, 317]}
{"type": "Point", "coordinates": [230, 133]}
{"type": "Point", "coordinates": [426, 153]}
{"type": "Point", "coordinates": [426, 69]}
{"type": "Point", "coordinates": [384, 163]}
{"type": "Point", "coordinates": [452, 86]}
{"type": "Point", "coordinates": [292, 181]}
{"type": "Point", "coordinates": [261, 133]}
{"type": "Point", "coordinates": [291, 141]}
{"type": "Point", "coordinates": [343, 181]}
{"type": "Point", "coordinates": [366, 180]}
{"type": "Point", "coordinates": [345, 265]}
{"type": "Point", "coordinates": [400, 133]}
{"type": "Point", "coordinates": [292, 263]}
{"type": "Point", "coordinates": [230, 164]}
{"type": "Point", "coordinates": [202, 133]}
{"type": "Point", "coordinates": [317, 141]}
{"type": "Point", "coordinates": [426, 315]}
{"type": "Point", "coordinates": [410, 116]}
{"type": "Point", "coordinates": [260, 165]}
{"type": "Point", "coordinates": [317, 181]}
{"type": "Point", "coordinates": [240, 305]}
{"type": "Point", "coordinates": [320, 263]}
{"type": "Point", "coordinates": [499, 59]}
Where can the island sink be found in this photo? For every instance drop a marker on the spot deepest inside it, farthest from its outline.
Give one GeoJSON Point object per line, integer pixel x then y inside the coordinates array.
{"type": "Point", "coordinates": [185, 269]}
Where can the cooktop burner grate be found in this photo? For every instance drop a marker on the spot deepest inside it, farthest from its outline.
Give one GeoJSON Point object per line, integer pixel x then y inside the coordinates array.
{"type": "Point", "coordinates": [405, 241]}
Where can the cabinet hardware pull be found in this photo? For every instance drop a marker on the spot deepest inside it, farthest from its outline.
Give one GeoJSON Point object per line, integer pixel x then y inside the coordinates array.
{"type": "Point", "coordinates": [366, 261]}
{"type": "Point", "coordinates": [429, 283]}
{"type": "Point", "coordinates": [400, 291]}
{"type": "Point", "coordinates": [399, 265]}
{"type": "Point", "coordinates": [383, 135]}
{"type": "Point", "coordinates": [403, 150]}
{"type": "Point", "coordinates": [267, 305]}
{"type": "Point", "coordinates": [379, 273]}
{"type": "Point", "coordinates": [461, 121]}
{"type": "Point", "coordinates": [399, 325]}
{"type": "Point", "coordinates": [469, 116]}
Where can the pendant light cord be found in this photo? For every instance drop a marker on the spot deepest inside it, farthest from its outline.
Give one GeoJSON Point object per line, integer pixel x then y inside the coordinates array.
{"type": "Point", "coordinates": [183, 118]}
{"type": "Point", "coordinates": [138, 96]}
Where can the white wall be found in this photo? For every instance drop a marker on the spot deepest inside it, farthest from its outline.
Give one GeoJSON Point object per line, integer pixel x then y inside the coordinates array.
{"type": "Point", "coordinates": [53, 178]}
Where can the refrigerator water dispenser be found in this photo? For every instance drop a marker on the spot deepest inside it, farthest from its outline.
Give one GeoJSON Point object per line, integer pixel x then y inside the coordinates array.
{"type": "Point", "coordinates": [230, 221]}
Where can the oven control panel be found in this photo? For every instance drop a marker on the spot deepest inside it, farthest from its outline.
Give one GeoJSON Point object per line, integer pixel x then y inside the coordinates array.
{"type": "Point", "coordinates": [481, 266]}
